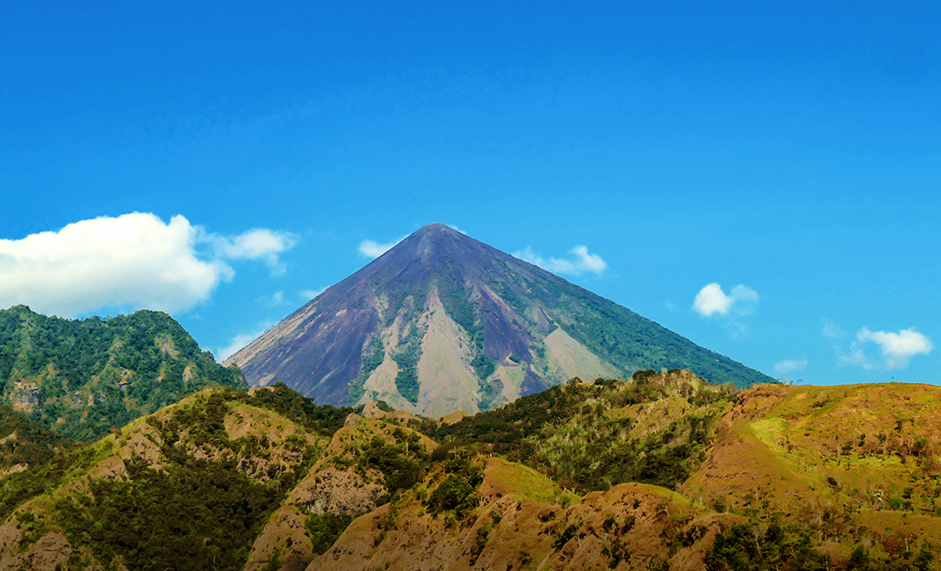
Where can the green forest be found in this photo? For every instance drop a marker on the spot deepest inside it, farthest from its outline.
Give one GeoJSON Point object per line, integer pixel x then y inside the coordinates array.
{"type": "Point", "coordinates": [81, 378]}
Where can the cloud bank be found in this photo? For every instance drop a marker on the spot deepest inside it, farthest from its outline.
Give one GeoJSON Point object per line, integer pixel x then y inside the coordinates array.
{"type": "Point", "coordinates": [134, 260]}
{"type": "Point", "coordinates": [580, 261]}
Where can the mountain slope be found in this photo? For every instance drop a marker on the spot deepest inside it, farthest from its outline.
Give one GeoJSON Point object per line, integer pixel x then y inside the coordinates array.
{"type": "Point", "coordinates": [783, 477]}
{"type": "Point", "coordinates": [82, 378]}
{"type": "Point", "coordinates": [188, 487]}
{"type": "Point", "coordinates": [443, 322]}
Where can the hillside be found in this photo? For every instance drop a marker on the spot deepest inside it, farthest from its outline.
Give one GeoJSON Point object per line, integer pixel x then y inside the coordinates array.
{"type": "Point", "coordinates": [81, 378]}
{"type": "Point", "coordinates": [186, 488]}
{"type": "Point", "coordinates": [24, 443]}
{"type": "Point", "coordinates": [443, 322]}
{"type": "Point", "coordinates": [663, 471]}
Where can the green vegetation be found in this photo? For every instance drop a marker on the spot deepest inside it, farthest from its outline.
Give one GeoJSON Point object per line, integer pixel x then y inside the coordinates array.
{"type": "Point", "coordinates": [20, 487]}
{"type": "Point", "coordinates": [279, 398]}
{"type": "Point", "coordinates": [406, 357]}
{"type": "Point", "coordinates": [744, 547]}
{"type": "Point", "coordinates": [83, 378]}
{"type": "Point", "coordinates": [201, 425]}
{"type": "Point", "coordinates": [457, 492]}
{"type": "Point", "coordinates": [202, 508]}
{"type": "Point", "coordinates": [402, 464]}
{"type": "Point", "coordinates": [324, 529]}
{"type": "Point", "coordinates": [201, 497]}
{"type": "Point", "coordinates": [630, 342]}
{"type": "Point", "coordinates": [192, 514]}
{"type": "Point", "coordinates": [24, 442]}
{"type": "Point", "coordinates": [373, 356]}
{"type": "Point", "coordinates": [455, 296]}
{"type": "Point", "coordinates": [581, 435]}
{"type": "Point", "coordinates": [752, 546]}
{"type": "Point", "coordinates": [483, 365]}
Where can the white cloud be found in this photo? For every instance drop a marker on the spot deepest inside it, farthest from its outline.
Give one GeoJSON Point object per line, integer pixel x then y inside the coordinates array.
{"type": "Point", "coordinates": [131, 261]}
{"type": "Point", "coordinates": [789, 366]}
{"type": "Point", "coordinates": [372, 249]}
{"type": "Point", "coordinates": [580, 261]}
{"type": "Point", "coordinates": [897, 348]}
{"type": "Point", "coordinates": [711, 300]}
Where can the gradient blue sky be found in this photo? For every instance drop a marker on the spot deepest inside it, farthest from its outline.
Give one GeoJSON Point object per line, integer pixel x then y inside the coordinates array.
{"type": "Point", "coordinates": [792, 149]}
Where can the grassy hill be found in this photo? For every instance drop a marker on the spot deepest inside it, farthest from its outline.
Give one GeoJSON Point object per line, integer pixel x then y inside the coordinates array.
{"type": "Point", "coordinates": [662, 471]}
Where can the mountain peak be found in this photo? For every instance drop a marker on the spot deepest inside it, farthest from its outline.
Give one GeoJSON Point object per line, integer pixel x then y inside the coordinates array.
{"type": "Point", "coordinates": [434, 227]}
{"type": "Point", "coordinates": [428, 248]}
{"type": "Point", "coordinates": [435, 234]}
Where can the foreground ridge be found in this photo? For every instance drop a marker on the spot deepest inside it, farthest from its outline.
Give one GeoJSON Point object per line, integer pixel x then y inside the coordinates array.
{"type": "Point", "coordinates": [662, 471]}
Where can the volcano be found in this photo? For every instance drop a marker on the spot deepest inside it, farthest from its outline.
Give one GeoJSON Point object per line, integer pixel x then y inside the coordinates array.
{"type": "Point", "coordinates": [443, 322]}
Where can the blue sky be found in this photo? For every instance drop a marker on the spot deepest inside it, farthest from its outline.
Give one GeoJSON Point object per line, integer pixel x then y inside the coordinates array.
{"type": "Point", "coordinates": [763, 178]}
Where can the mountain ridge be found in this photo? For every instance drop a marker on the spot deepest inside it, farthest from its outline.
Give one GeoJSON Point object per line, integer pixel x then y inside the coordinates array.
{"type": "Point", "coordinates": [81, 378]}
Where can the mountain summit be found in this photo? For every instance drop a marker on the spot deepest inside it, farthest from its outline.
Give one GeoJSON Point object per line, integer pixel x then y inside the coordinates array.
{"type": "Point", "coordinates": [443, 322]}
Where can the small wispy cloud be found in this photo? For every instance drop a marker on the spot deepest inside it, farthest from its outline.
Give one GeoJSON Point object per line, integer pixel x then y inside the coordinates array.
{"type": "Point", "coordinates": [855, 357]}
{"type": "Point", "coordinates": [239, 342]}
{"type": "Point", "coordinates": [372, 249]}
{"type": "Point", "coordinates": [580, 261]}
{"type": "Point", "coordinates": [255, 244]}
{"type": "Point", "coordinates": [309, 294]}
{"type": "Point", "coordinates": [790, 366]}
{"type": "Point", "coordinates": [273, 300]}
{"type": "Point", "coordinates": [830, 329]}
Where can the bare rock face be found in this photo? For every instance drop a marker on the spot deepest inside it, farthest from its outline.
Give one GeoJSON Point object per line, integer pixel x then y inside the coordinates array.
{"type": "Point", "coordinates": [25, 397]}
{"type": "Point", "coordinates": [338, 492]}
{"type": "Point", "coordinates": [49, 552]}
{"type": "Point", "coordinates": [325, 489]}
{"type": "Point", "coordinates": [442, 322]}
{"type": "Point", "coordinates": [334, 485]}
